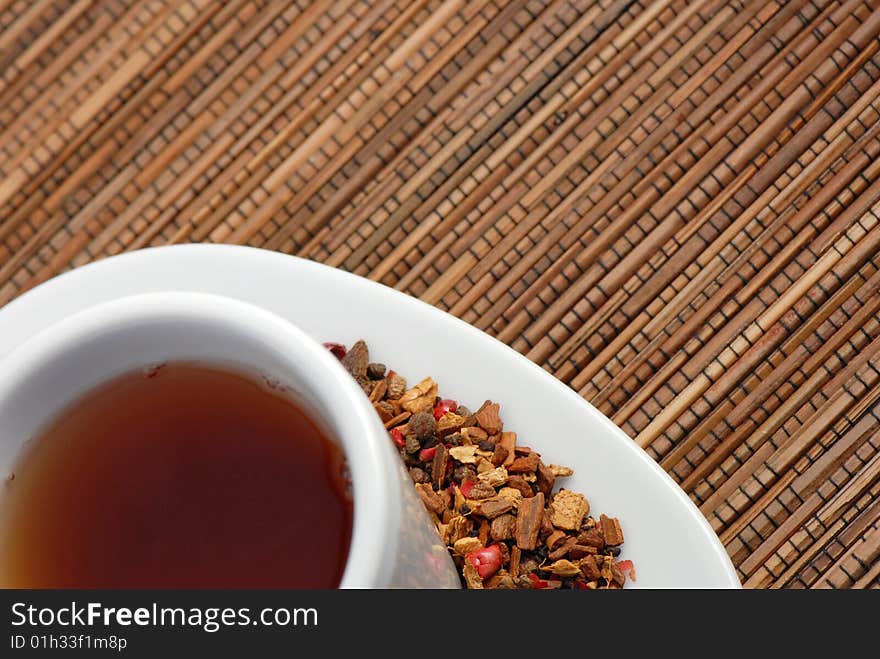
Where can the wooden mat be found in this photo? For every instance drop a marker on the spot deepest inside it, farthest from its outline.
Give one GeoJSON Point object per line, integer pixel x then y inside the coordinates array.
{"type": "Point", "coordinates": [672, 206]}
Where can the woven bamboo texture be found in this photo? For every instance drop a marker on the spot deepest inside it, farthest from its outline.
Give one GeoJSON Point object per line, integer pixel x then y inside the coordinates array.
{"type": "Point", "coordinates": [672, 206]}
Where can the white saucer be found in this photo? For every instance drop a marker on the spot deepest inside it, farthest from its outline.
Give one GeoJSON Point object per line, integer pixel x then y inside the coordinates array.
{"type": "Point", "coordinates": [667, 538]}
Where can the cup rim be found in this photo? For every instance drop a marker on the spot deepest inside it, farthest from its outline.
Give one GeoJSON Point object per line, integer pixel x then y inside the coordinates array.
{"type": "Point", "coordinates": [376, 511]}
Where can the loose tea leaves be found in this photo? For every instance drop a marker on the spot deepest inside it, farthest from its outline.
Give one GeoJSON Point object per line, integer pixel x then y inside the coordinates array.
{"type": "Point", "coordinates": [492, 500]}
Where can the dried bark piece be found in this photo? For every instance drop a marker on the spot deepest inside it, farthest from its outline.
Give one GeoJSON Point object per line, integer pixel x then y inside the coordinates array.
{"type": "Point", "coordinates": [546, 526]}
{"type": "Point", "coordinates": [546, 479]}
{"type": "Point", "coordinates": [421, 397]}
{"type": "Point", "coordinates": [502, 527]}
{"type": "Point", "coordinates": [492, 508]}
{"type": "Point", "coordinates": [484, 532]}
{"type": "Point", "coordinates": [378, 391]}
{"type": "Point", "coordinates": [397, 420]}
{"type": "Point", "coordinates": [562, 550]}
{"type": "Point", "coordinates": [560, 472]}
{"type": "Point", "coordinates": [464, 454]}
{"type": "Point", "coordinates": [567, 510]}
{"type": "Point", "coordinates": [554, 539]}
{"type": "Point", "coordinates": [481, 491]}
{"type": "Point", "coordinates": [564, 568]}
{"type": "Point", "coordinates": [524, 465]}
{"type": "Point", "coordinates": [591, 538]}
{"type": "Point", "coordinates": [356, 360]}
{"type": "Point", "coordinates": [515, 555]}
{"type": "Point", "coordinates": [438, 466]}
{"type": "Point", "coordinates": [495, 477]}
{"type": "Point", "coordinates": [396, 385]}
{"type": "Point", "coordinates": [605, 567]}
{"type": "Point", "coordinates": [508, 441]}
{"type": "Point", "coordinates": [433, 501]}
{"type": "Point", "coordinates": [528, 521]}
{"type": "Point", "coordinates": [487, 417]}
{"type": "Point", "coordinates": [589, 569]}
{"type": "Point", "coordinates": [581, 551]}
{"type": "Point", "coordinates": [611, 531]}
{"type": "Point", "coordinates": [617, 575]}
{"type": "Point", "coordinates": [499, 455]}
{"type": "Point", "coordinates": [418, 475]}
{"type": "Point", "coordinates": [384, 410]}
{"type": "Point", "coordinates": [519, 483]}
{"type": "Point", "coordinates": [464, 546]}
{"type": "Point", "coordinates": [471, 576]}
{"type": "Point", "coordinates": [449, 423]}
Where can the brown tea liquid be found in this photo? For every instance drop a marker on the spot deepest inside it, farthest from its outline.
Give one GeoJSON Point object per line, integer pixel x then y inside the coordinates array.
{"type": "Point", "coordinates": [190, 477]}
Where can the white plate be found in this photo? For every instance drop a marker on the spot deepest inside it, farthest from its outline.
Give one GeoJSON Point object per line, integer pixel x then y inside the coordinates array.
{"type": "Point", "coordinates": [667, 538]}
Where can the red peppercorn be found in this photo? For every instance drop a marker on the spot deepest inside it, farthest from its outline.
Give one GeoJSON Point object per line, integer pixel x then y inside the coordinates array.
{"type": "Point", "coordinates": [537, 581]}
{"type": "Point", "coordinates": [542, 583]}
{"type": "Point", "coordinates": [427, 454]}
{"type": "Point", "coordinates": [466, 487]}
{"type": "Point", "coordinates": [337, 349]}
{"type": "Point", "coordinates": [397, 437]}
{"type": "Point", "coordinates": [487, 560]}
{"type": "Point", "coordinates": [444, 406]}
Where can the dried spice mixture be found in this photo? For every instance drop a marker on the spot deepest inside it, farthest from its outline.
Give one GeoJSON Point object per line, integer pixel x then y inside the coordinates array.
{"type": "Point", "coordinates": [492, 500]}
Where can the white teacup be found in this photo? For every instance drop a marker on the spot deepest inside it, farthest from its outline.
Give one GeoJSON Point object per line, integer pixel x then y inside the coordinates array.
{"type": "Point", "coordinates": [393, 542]}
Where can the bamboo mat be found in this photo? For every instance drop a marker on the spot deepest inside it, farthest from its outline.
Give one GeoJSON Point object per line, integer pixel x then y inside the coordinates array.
{"type": "Point", "coordinates": [672, 206]}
